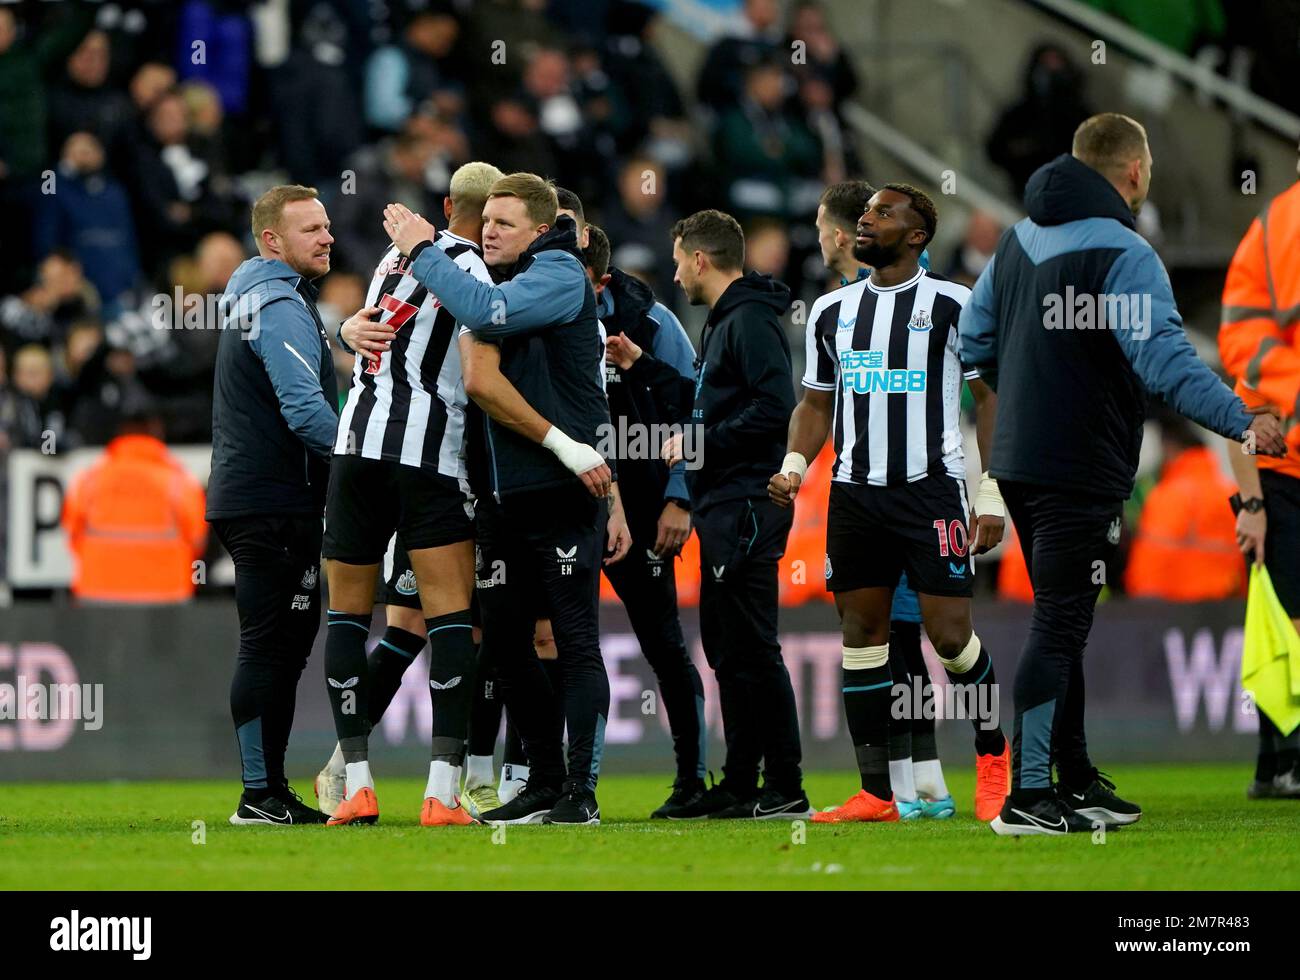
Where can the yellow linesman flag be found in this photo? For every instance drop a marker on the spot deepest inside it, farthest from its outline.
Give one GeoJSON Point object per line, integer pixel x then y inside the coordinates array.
{"type": "Point", "coordinates": [1270, 654]}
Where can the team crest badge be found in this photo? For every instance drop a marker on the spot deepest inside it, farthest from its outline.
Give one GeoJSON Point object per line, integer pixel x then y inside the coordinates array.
{"type": "Point", "coordinates": [920, 321]}
{"type": "Point", "coordinates": [406, 583]}
{"type": "Point", "coordinates": [828, 566]}
{"type": "Point", "coordinates": [309, 578]}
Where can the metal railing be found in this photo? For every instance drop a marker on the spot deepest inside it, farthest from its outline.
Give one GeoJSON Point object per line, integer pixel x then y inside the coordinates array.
{"type": "Point", "coordinates": [1195, 73]}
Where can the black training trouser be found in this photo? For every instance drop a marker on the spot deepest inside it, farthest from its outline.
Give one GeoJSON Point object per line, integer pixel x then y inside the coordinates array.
{"type": "Point", "coordinates": [542, 550]}
{"type": "Point", "coordinates": [1069, 541]}
{"type": "Point", "coordinates": [277, 592]}
{"type": "Point", "coordinates": [647, 586]}
{"type": "Point", "coordinates": [741, 544]}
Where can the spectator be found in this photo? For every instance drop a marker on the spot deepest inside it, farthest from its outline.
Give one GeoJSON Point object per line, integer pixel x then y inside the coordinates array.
{"type": "Point", "coordinates": [25, 68]}
{"type": "Point", "coordinates": [90, 216]}
{"type": "Point", "coordinates": [983, 232]}
{"type": "Point", "coordinates": [1039, 126]}
{"type": "Point", "coordinates": [639, 222]}
{"type": "Point", "coordinates": [174, 188]}
{"type": "Point", "coordinates": [822, 60]}
{"type": "Point", "coordinates": [85, 102]}
{"type": "Point", "coordinates": [151, 82]}
{"type": "Point", "coordinates": [401, 77]}
{"type": "Point", "coordinates": [513, 140]}
{"type": "Point", "coordinates": [767, 249]}
{"type": "Point", "coordinates": [34, 378]}
{"type": "Point", "coordinates": [770, 161]}
{"type": "Point", "coordinates": [1185, 549]}
{"type": "Point", "coordinates": [721, 84]}
{"type": "Point", "coordinates": [43, 312]}
{"type": "Point", "coordinates": [395, 170]}
{"type": "Point", "coordinates": [134, 519]}
{"type": "Point", "coordinates": [645, 90]}
{"type": "Point", "coordinates": [20, 419]}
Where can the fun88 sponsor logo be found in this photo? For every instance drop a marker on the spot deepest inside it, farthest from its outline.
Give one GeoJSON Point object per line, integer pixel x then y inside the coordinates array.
{"type": "Point", "coordinates": [864, 371]}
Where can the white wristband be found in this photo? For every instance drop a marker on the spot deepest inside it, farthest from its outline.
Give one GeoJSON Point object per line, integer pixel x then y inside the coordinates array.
{"type": "Point", "coordinates": [988, 499]}
{"type": "Point", "coordinates": [577, 457]}
{"type": "Point", "coordinates": [794, 463]}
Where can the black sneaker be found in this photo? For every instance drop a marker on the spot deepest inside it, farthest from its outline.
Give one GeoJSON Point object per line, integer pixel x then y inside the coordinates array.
{"type": "Point", "coordinates": [1099, 802]}
{"type": "Point", "coordinates": [770, 804]}
{"type": "Point", "coordinates": [298, 810]}
{"type": "Point", "coordinates": [1048, 815]}
{"type": "Point", "coordinates": [269, 811]}
{"type": "Point", "coordinates": [530, 806]}
{"type": "Point", "coordinates": [722, 796]}
{"type": "Point", "coordinates": [1261, 789]}
{"type": "Point", "coordinates": [577, 807]}
{"type": "Point", "coordinates": [1286, 785]}
{"type": "Point", "coordinates": [685, 803]}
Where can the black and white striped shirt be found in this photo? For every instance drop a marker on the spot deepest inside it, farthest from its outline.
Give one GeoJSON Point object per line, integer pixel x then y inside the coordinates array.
{"type": "Point", "coordinates": [890, 356]}
{"type": "Point", "coordinates": [410, 408]}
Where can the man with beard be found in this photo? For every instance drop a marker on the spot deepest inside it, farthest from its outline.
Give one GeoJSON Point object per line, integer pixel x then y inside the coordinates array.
{"type": "Point", "coordinates": [883, 367]}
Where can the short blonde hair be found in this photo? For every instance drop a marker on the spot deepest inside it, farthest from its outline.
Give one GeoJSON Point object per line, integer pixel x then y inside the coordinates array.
{"type": "Point", "coordinates": [470, 186]}
{"type": "Point", "coordinates": [537, 194]}
{"type": "Point", "coordinates": [270, 206]}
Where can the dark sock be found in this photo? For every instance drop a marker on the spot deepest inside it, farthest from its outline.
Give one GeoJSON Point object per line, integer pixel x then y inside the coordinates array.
{"type": "Point", "coordinates": [485, 711]}
{"type": "Point", "coordinates": [900, 721]}
{"type": "Point", "coordinates": [451, 683]}
{"type": "Point", "coordinates": [386, 665]}
{"type": "Point", "coordinates": [907, 637]}
{"type": "Point", "coordinates": [347, 680]}
{"type": "Point", "coordinates": [981, 687]}
{"type": "Point", "coordinates": [866, 707]}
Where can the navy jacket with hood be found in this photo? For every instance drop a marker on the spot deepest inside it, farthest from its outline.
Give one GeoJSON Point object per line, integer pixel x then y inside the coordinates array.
{"type": "Point", "coordinates": [656, 390]}
{"type": "Point", "coordinates": [1072, 323]}
{"type": "Point", "coordinates": [274, 399]}
{"type": "Point", "coordinates": [543, 316]}
{"type": "Point", "coordinates": [743, 392]}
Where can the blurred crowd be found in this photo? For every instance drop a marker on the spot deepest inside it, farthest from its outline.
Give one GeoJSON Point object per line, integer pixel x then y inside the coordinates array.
{"type": "Point", "coordinates": [133, 137]}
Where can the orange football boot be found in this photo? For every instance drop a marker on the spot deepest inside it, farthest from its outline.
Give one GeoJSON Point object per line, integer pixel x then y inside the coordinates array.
{"type": "Point", "coordinates": [861, 807]}
{"type": "Point", "coordinates": [437, 814]}
{"type": "Point", "coordinates": [992, 783]}
{"type": "Point", "coordinates": [361, 807]}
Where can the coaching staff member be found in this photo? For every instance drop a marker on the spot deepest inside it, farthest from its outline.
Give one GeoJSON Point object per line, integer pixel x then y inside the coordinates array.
{"type": "Point", "coordinates": [273, 427]}
{"type": "Point", "coordinates": [743, 400]}
{"type": "Point", "coordinates": [537, 516]}
{"type": "Point", "coordinates": [1071, 403]}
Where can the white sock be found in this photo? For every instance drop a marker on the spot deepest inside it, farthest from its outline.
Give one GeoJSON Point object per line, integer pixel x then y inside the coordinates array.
{"type": "Point", "coordinates": [443, 780]}
{"type": "Point", "coordinates": [335, 766]}
{"type": "Point", "coordinates": [478, 771]}
{"type": "Point", "coordinates": [358, 776]}
{"type": "Point", "coordinates": [512, 781]}
{"type": "Point", "coordinates": [900, 780]}
{"type": "Point", "coordinates": [929, 779]}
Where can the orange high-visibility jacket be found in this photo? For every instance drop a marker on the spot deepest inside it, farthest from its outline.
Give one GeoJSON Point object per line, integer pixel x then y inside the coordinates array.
{"type": "Point", "coordinates": [1013, 573]}
{"type": "Point", "coordinates": [135, 524]}
{"type": "Point", "coordinates": [1258, 337]}
{"type": "Point", "coordinates": [1185, 548]}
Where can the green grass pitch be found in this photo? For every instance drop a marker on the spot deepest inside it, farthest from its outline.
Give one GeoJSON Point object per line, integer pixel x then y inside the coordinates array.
{"type": "Point", "coordinates": [1198, 831]}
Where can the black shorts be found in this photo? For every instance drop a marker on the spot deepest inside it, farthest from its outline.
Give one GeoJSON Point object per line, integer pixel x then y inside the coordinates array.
{"type": "Point", "coordinates": [873, 534]}
{"type": "Point", "coordinates": [1282, 540]}
{"type": "Point", "coordinates": [397, 585]}
{"type": "Point", "coordinates": [369, 499]}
